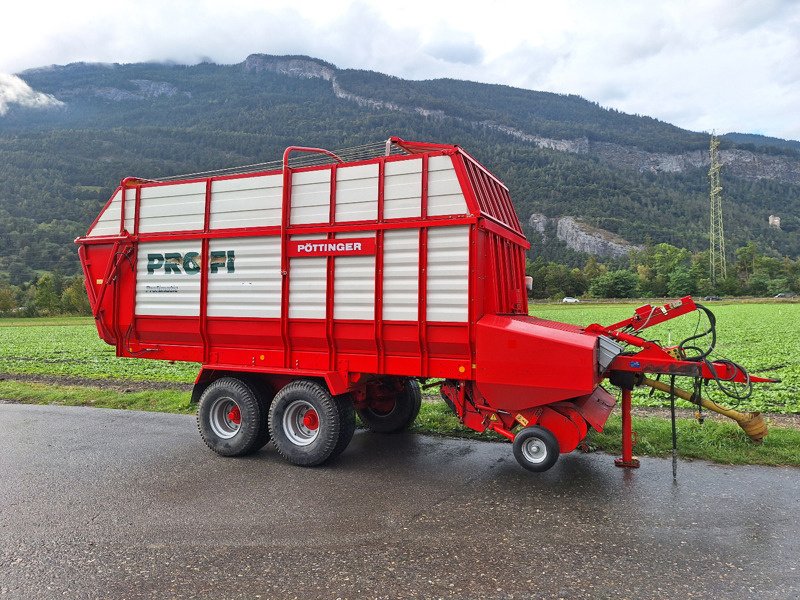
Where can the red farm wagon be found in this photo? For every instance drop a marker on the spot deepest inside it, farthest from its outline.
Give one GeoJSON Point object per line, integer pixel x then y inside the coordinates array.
{"type": "Point", "coordinates": [338, 282]}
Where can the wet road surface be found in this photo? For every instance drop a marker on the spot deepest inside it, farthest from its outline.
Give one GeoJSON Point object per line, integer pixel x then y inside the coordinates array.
{"type": "Point", "coordinates": [114, 504]}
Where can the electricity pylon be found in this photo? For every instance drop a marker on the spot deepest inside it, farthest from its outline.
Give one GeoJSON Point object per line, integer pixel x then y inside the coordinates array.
{"type": "Point", "coordinates": [716, 235]}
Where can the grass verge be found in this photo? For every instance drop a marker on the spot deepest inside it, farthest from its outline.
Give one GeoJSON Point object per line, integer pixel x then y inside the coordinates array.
{"type": "Point", "coordinates": [715, 441]}
{"type": "Point", "coordinates": [718, 441]}
{"type": "Point", "coordinates": [171, 401]}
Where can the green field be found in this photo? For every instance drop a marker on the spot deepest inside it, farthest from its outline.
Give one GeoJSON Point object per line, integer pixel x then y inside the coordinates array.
{"type": "Point", "coordinates": [764, 337]}
{"type": "Point", "coordinates": [70, 347]}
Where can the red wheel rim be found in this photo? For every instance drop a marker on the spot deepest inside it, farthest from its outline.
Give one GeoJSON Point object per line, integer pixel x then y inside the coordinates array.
{"type": "Point", "coordinates": [234, 416]}
{"type": "Point", "coordinates": [311, 419]}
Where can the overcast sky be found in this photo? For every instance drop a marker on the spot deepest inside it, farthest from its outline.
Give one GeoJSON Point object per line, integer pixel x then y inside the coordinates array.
{"type": "Point", "coordinates": [702, 64]}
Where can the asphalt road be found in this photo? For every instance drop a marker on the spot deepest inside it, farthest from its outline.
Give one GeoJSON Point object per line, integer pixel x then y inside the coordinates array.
{"type": "Point", "coordinates": [113, 504]}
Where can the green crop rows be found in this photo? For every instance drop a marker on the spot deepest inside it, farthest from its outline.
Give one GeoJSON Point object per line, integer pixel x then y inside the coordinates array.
{"type": "Point", "coordinates": [765, 338]}
{"type": "Point", "coordinates": [762, 337]}
{"type": "Point", "coordinates": [70, 346]}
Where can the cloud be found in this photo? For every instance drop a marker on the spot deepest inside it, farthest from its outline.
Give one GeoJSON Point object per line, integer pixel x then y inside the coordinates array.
{"type": "Point", "coordinates": [14, 90]}
{"type": "Point", "coordinates": [701, 64]}
{"type": "Point", "coordinates": [466, 52]}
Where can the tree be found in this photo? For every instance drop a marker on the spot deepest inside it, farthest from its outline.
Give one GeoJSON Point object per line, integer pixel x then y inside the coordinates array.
{"type": "Point", "coordinates": [746, 260]}
{"type": "Point", "coordinates": [593, 269]}
{"type": "Point", "coordinates": [614, 284]}
{"type": "Point", "coordinates": [8, 298]}
{"type": "Point", "coordinates": [758, 285]}
{"type": "Point", "coordinates": [778, 286]}
{"type": "Point", "coordinates": [74, 299]}
{"type": "Point", "coordinates": [46, 300]}
{"type": "Point", "coordinates": [681, 282]}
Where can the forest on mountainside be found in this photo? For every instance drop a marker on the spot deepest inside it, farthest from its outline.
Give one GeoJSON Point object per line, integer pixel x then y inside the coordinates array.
{"type": "Point", "coordinates": [58, 166]}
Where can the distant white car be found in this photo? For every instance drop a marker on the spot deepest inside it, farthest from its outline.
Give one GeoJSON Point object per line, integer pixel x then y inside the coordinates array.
{"type": "Point", "coordinates": [570, 300]}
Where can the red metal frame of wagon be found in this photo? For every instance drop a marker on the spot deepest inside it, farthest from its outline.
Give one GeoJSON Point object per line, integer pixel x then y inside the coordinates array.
{"type": "Point", "coordinates": [293, 369]}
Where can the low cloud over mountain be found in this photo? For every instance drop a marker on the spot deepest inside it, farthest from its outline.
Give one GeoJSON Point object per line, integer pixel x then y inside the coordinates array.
{"type": "Point", "coordinates": [14, 90]}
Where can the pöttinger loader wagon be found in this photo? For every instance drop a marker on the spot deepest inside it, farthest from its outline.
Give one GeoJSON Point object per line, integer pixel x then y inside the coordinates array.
{"type": "Point", "coordinates": [337, 283]}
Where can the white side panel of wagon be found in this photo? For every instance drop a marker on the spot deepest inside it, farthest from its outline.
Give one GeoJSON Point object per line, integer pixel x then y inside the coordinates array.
{"type": "Point", "coordinates": [402, 189]}
{"type": "Point", "coordinates": [448, 274]}
{"type": "Point", "coordinates": [108, 222]}
{"type": "Point", "coordinates": [130, 209]}
{"type": "Point", "coordinates": [444, 191]}
{"type": "Point", "coordinates": [164, 286]}
{"type": "Point", "coordinates": [311, 197]}
{"type": "Point", "coordinates": [246, 202]}
{"type": "Point", "coordinates": [176, 207]}
{"type": "Point", "coordinates": [357, 193]}
{"type": "Point", "coordinates": [401, 275]}
{"type": "Point", "coordinates": [354, 283]}
{"type": "Point", "coordinates": [244, 278]}
{"type": "Point", "coordinates": [308, 280]}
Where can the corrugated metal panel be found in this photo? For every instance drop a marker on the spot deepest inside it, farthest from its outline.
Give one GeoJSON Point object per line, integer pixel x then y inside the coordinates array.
{"type": "Point", "coordinates": [311, 197]}
{"type": "Point", "coordinates": [176, 207]}
{"type": "Point", "coordinates": [246, 202]}
{"type": "Point", "coordinates": [357, 193]}
{"type": "Point", "coordinates": [167, 290]}
{"type": "Point", "coordinates": [130, 209]}
{"type": "Point", "coordinates": [250, 284]}
{"type": "Point", "coordinates": [448, 274]}
{"type": "Point", "coordinates": [108, 223]}
{"type": "Point", "coordinates": [444, 191]}
{"type": "Point", "coordinates": [401, 275]}
{"type": "Point", "coordinates": [308, 284]}
{"type": "Point", "coordinates": [354, 283]}
{"type": "Point", "coordinates": [402, 192]}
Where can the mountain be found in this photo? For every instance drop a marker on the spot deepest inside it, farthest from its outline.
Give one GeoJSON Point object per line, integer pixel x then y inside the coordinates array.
{"type": "Point", "coordinates": [638, 179]}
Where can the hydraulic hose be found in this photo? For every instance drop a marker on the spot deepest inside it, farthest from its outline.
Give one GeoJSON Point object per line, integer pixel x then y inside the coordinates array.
{"type": "Point", "coordinates": [712, 329]}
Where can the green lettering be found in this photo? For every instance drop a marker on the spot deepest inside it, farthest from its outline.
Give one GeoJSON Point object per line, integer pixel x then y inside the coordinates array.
{"type": "Point", "coordinates": [154, 262]}
{"type": "Point", "coordinates": [217, 260]}
{"type": "Point", "coordinates": [190, 264]}
{"type": "Point", "coordinates": [172, 262]}
{"type": "Point", "coordinates": [231, 258]}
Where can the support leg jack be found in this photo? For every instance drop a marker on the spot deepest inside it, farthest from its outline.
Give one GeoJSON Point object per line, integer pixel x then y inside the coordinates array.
{"type": "Point", "coordinates": [627, 459]}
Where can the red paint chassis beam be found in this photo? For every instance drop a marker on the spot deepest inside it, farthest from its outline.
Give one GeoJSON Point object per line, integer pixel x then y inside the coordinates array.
{"type": "Point", "coordinates": [648, 316]}
{"type": "Point", "coordinates": [644, 362]}
{"type": "Point", "coordinates": [653, 358]}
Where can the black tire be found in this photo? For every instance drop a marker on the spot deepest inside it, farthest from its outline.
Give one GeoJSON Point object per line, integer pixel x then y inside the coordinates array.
{"type": "Point", "coordinates": [536, 449]}
{"type": "Point", "coordinates": [347, 420]}
{"type": "Point", "coordinates": [296, 440]}
{"type": "Point", "coordinates": [265, 396]}
{"type": "Point", "coordinates": [216, 419]}
{"type": "Point", "coordinates": [403, 413]}
{"type": "Point", "coordinates": [416, 392]}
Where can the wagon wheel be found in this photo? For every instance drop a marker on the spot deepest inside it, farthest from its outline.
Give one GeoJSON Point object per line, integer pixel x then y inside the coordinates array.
{"type": "Point", "coordinates": [265, 396]}
{"type": "Point", "coordinates": [308, 424]}
{"type": "Point", "coordinates": [347, 423]}
{"type": "Point", "coordinates": [393, 412]}
{"type": "Point", "coordinates": [536, 449]}
{"type": "Point", "coordinates": [231, 418]}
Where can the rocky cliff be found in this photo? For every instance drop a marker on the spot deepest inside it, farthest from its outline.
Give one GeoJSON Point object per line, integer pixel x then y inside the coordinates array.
{"type": "Point", "coordinates": [582, 237]}
{"type": "Point", "coordinates": [740, 163]}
